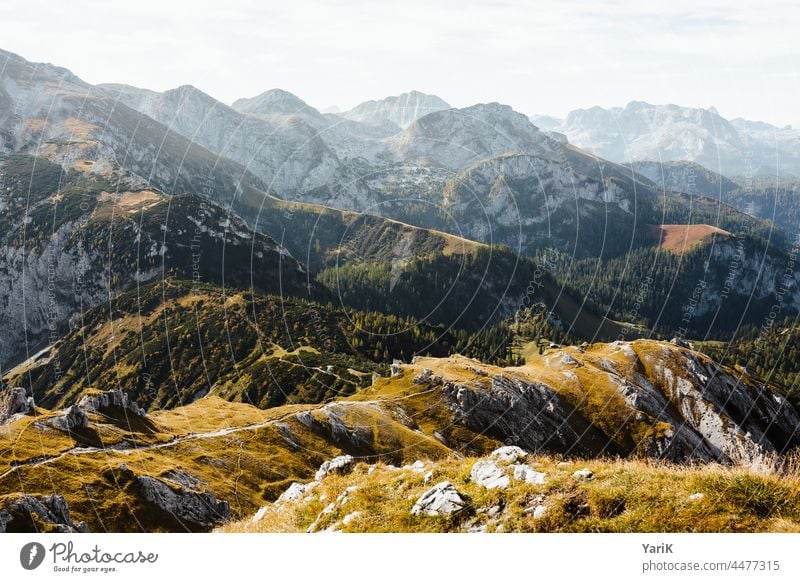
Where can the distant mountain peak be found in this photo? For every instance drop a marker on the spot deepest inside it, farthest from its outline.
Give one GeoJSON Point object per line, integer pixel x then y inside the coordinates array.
{"type": "Point", "coordinates": [276, 102]}
{"type": "Point", "coordinates": [401, 109]}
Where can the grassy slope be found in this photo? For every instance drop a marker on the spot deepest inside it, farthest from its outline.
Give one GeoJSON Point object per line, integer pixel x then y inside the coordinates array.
{"type": "Point", "coordinates": [623, 496]}
{"type": "Point", "coordinates": [249, 456]}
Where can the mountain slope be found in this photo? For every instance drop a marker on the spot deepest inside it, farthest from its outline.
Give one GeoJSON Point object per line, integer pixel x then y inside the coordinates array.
{"type": "Point", "coordinates": [46, 110]}
{"type": "Point", "coordinates": [72, 240]}
{"type": "Point", "coordinates": [172, 470]}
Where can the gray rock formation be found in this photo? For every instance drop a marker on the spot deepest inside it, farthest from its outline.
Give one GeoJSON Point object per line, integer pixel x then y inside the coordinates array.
{"type": "Point", "coordinates": [441, 499]}
{"type": "Point", "coordinates": [338, 465]}
{"type": "Point", "coordinates": [509, 454]}
{"type": "Point", "coordinates": [74, 418]}
{"type": "Point", "coordinates": [111, 399]}
{"type": "Point", "coordinates": [196, 510]}
{"type": "Point", "coordinates": [529, 414]}
{"type": "Point", "coordinates": [488, 474]}
{"type": "Point", "coordinates": [29, 514]}
{"type": "Point", "coordinates": [13, 401]}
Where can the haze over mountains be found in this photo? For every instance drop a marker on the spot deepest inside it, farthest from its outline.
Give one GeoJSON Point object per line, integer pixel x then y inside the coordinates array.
{"type": "Point", "coordinates": [666, 133]}
{"type": "Point", "coordinates": [265, 267]}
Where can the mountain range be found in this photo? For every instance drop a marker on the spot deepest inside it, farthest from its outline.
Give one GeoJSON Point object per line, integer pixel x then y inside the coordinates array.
{"type": "Point", "coordinates": [667, 133]}
{"type": "Point", "coordinates": [211, 310]}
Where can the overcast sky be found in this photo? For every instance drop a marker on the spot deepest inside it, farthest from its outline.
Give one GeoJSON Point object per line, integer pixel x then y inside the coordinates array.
{"type": "Point", "coordinates": [544, 57]}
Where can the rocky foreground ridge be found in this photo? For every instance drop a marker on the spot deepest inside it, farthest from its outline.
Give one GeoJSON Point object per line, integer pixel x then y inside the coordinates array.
{"type": "Point", "coordinates": [458, 428]}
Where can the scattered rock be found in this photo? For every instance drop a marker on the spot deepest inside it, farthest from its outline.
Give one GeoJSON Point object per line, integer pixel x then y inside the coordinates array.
{"type": "Point", "coordinates": [539, 511]}
{"type": "Point", "coordinates": [350, 517]}
{"type": "Point", "coordinates": [441, 438]}
{"type": "Point", "coordinates": [29, 514]}
{"type": "Point", "coordinates": [509, 454]}
{"type": "Point", "coordinates": [489, 475]}
{"type": "Point", "coordinates": [568, 360]}
{"type": "Point", "coordinates": [697, 496]}
{"type": "Point", "coordinates": [441, 499]}
{"type": "Point", "coordinates": [528, 475]}
{"type": "Point", "coordinates": [338, 465]}
{"type": "Point", "coordinates": [583, 474]}
{"type": "Point", "coordinates": [416, 467]}
{"type": "Point", "coordinates": [344, 496]}
{"type": "Point", "coordinates": [295, 491]}
{"type": "Point", "coordinates": [262, 511]}
{"type": "Point", "coordinates": [428, 477]}
{"type": "Point", "coordinates": [13, 401]}
{"type": "Point", "coordinates": [426, 376]}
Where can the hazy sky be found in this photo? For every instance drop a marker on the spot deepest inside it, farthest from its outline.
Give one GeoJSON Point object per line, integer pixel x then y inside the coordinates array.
{"type": "Point", "coordinates": [543, 57]}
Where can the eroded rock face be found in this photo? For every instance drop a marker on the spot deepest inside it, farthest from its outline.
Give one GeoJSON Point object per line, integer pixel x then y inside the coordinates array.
{"type": "Point", "coordinates": [29, 514]}
{"type": "Point", "coordinates": [13, 401]}
{"type": "Point", "coordinates": [529, 414]}
{"type": "Point", "coordinates": [663, 401]}
{"type": "Point", "coordinates": [73, 419]}
{"type": "Point", "coordinates": [111, 399]}
{"type": "Point", "coordinates": [441, 499]}
{"type": "Point", "coordinates": [195, 509]}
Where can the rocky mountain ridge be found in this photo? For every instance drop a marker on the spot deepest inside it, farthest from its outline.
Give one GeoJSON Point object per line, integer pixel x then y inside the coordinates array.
{"type": "Point", "coordinates": [641, 131]}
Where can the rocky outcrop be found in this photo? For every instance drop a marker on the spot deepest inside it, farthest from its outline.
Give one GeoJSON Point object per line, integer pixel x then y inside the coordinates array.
{"type": "Point", "coordinates": [13, 402]}
{"type": "Point", "coordinates": [29, 514]}
{"type": "Point", "coordinates": [528, 413]}
{"type": "Point", "coordinates": [112, 399]}
{"type": "Point", "coordinates": [195, 510]}
{"type": "Point", "coordinates": [338, 465]}
{"type": "Point", "coordinates": [656, 399]}
{"type": "Point", "coordinates": [74, 418]}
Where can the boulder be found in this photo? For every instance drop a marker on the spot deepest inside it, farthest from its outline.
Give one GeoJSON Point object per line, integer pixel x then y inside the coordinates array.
{"type": "Point", "coordinates": [528, 475]}
{"type": "Point", "coordinates": [487, 474]}
{"type": "Point", "coordinates": [509, 454]}
{"type": "Point", "coordinates": [338, 465]}
{"type": "Point", "coordinates": [583, 474]}
{"type": "Point", "coordinates": [441, 499]}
